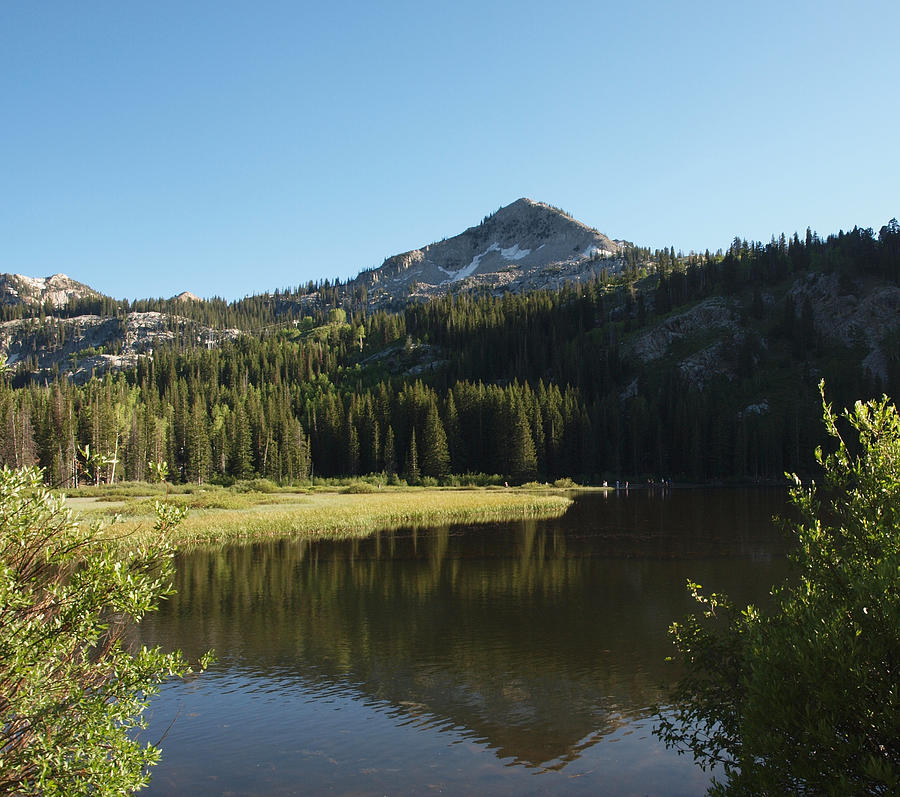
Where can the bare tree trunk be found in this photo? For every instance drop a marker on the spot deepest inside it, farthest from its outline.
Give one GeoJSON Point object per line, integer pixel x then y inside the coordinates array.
{"type": "Point", "coordinates": [115, 460]}
{"type": "Point", "coordinates": [12, 423]}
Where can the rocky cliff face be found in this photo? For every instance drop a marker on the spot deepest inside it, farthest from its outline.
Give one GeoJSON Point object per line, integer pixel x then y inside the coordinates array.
{"type": "Point", "coordinates": [860, 312]}
{"type": "Point", "coordinates": [58, 289]}
{"type": "Point", "coordinates": [524, 246]}
{"type": "Point", "coordinates": [88, 344]}
{"type": "Point", "coordinates": [852, 312]}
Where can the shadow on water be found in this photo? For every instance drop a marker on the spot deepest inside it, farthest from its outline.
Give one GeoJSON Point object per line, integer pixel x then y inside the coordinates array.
{"type": "Point", "coordinates": [527, 642]}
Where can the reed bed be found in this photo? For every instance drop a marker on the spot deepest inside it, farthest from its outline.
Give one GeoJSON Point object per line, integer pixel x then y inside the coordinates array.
{"type": "Point", "coordinates": [227, 518]}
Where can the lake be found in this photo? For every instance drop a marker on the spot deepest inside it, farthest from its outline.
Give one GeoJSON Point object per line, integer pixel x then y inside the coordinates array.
{"type": "Point", "coordinates": [505, 658]}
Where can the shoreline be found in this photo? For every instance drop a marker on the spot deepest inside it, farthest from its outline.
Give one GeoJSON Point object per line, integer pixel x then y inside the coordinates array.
{"type": "Point", "coordinates": [221, 517]}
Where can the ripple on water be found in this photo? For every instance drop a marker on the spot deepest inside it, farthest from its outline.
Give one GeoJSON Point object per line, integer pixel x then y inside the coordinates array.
{"type": "Point", "coordinates": [514, 659]}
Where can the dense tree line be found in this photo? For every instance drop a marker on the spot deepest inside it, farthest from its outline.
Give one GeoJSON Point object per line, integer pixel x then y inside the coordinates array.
{"type": "Point", "coordinates": [537, 385]}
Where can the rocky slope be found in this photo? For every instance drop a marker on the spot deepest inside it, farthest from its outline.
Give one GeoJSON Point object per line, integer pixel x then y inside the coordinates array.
{"type": "Point", "coordinates": [852, 311]}
{"type": "Point", "coordinates": [524, 246]}
{"type": "Point", "coordinates": [88, 344]}
{"type": "Point", "coordinates": [57, 289]}
{"type": "Point", "coordinates": [863, 313]}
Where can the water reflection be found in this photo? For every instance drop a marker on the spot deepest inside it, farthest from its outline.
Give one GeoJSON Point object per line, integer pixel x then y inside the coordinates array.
{"type": "Point", "coordinates": [532, 640]}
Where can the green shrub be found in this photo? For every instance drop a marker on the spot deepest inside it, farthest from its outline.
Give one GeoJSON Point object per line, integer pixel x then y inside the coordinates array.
{"type": "Point", "coordinates": [804, 698]}
{"type": "Point", "coordinates": [71, 692]}
{"type": "Point", "coordinates": [479, 479]}
{"type": "Point", "coordinates": [256, 486]}
{"type": "Point", "coordinates": [359, 487]}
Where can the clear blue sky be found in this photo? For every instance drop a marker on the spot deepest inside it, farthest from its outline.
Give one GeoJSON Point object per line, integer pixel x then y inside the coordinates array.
{"type": "Point", "coordinates": [229, 148]}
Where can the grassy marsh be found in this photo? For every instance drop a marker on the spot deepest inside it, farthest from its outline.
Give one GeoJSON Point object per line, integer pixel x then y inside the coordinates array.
{"type": "Point", "coordinates": [219, 516]}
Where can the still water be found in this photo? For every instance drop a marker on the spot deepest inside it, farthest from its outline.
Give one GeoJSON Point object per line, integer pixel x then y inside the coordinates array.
{"type": "Point", "coordinates": [505, 658]}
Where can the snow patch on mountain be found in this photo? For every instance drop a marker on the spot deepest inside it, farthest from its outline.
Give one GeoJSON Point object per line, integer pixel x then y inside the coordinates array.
{"type": "Point", "coordinates": [468, 271]}
{"type": "Point", "coordinates": [510, 254]}
{"type": "Point", "coordinates": [527, 245]}
{"type": "Point", "coordinates": [514, 252]}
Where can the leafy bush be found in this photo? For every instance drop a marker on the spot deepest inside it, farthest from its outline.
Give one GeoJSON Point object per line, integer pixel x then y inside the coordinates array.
{"type": "Point", "coordinates": [805, 699]}
{"type": "Point", "coordinates": [359, 487]}
{"type": "Point", "coordinates": [120, 490]}
{"type": "Point", "coordinates": [256, 486]}
{"type": "Point", "coordinates": [476, 480]}
{"type": "Point", "coordinates": [71, 693]}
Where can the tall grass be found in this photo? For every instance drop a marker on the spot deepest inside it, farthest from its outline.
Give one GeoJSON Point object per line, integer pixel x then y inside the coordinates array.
{"type": "Point", "coordinates": [223, 516]}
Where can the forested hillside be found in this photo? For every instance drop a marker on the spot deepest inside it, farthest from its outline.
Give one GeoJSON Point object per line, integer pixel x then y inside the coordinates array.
{"type": "Point", "coordinates": [700, 367]}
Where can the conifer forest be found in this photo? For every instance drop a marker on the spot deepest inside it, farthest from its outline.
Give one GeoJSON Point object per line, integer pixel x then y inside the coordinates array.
{"type": "Point", "coordinates": [540, 385]}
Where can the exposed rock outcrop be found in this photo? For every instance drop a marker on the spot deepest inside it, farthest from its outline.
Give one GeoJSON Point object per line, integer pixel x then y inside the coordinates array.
{"type": "Point", "coordinates": [707, 315]}
{"type": "Point", "coordinates": [57, 289]}
{"type": "Point", "coordinates": [851, 313]}
{"type": "Point", "coordinates": [525, 245]}
{"type": "Point", "coordinates": [86, 344]}
{"type": "Point", "coordinates": [186, 296]}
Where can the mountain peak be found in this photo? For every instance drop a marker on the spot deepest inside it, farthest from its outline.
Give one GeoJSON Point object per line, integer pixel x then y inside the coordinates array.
{"type": "Point", "coordinates": [58, 289]}
{"type": "Point", "coordinates": [186, 296]}
{"type": "Point", "coordinates": [526, 244]}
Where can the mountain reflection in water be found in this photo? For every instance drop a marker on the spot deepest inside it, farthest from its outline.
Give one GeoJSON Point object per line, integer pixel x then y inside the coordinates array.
{"type": "Point", "coordinates": [530, 642]}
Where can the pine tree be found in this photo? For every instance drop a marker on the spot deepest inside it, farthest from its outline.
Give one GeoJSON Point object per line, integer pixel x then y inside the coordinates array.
{"type": "Point", "coordinates": [412, 460]}
{"type": "Point", "coordinates": [521, 456]}
{"type": "Point", "coordinates": [390, 456]}
{"type": "Point", "coordinates": [435, 455]}
{"type": "Point", "coordinates": [455, 445]}
{"type": "Point", "coordinates": [351, 447]}
{"type": "Point", "coordinates": [198, 453]}
{"type": "Point", "coordinates": [241, 460]}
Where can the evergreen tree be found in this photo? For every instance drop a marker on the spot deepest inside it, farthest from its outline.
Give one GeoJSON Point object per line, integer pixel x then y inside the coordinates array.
{"type": "Point", "coordinates": [240, 463]}
{"type": "Point", "coordinates": [351, 447]}
{"type": "Point", "coordinates": [199, 454]}
{"type": "Point", "coordinates": [390, 456]}
{"type": "Point", "coordinates": [434, 453]}
{"type": "Point", "coordinates": [455, 444]}
{"type": "Point", "coordinates": [522, 459]}
{"type": "Point", "coordinates": [412, 460]}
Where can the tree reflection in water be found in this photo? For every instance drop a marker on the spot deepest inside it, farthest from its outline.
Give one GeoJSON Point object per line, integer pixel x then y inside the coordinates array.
{"type": "Point", "coordinates": [533, 640]}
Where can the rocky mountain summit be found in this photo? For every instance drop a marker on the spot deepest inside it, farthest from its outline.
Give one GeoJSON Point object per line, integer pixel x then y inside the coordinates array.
{"type": "Point", "coordinates": [186, 296]}
{"type": "Point", "coordinates": [527, 245]}
{"type": "Point", "coordinates": [720, 327]}
{"type": "Point", "coordinates": [57, 289]}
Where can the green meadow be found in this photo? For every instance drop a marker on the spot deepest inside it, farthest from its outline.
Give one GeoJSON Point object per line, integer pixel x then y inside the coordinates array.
{"type": "Point", "coordinates": [219, 515]}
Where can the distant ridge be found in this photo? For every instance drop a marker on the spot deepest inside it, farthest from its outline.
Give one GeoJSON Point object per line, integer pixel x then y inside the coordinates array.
{"type": "Point", "coordinates": [526, 245]}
